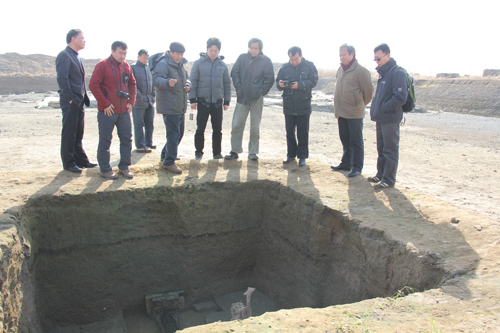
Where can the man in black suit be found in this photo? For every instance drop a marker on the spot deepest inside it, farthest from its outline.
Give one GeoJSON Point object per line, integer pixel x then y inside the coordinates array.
{"type": "Point", "coordinates": [73, 95]}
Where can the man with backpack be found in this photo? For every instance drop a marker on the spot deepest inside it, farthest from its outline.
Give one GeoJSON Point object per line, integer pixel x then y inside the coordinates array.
{"type": "Point", "coordinates": [387, 111]}
{"type": "Point", "coordinates": [172, 85]}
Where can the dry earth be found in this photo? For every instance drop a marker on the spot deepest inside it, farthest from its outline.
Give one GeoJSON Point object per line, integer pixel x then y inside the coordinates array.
{"type": "Point", "coordinates": [449, 168]}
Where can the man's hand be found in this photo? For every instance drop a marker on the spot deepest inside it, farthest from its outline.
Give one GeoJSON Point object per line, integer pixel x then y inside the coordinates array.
{"type": "Point", "coordinates": [187, 88]}
{"type": "Point", "coordinates": [109, 110]}
{"type": "Point", "coordinates": [282, 85]}
{"type": "Point", "coordinates": [294, 85]}
{"type": "Point", "coordinates": [193, 106]}
{"type": "Point", "coordinates": [226, 107]}
{"type": "Point", "coordinates": [129, 108]}
{"type": "Point", "coordinates": [172, 82]}
{"type": "Point", "coordinates": [70, 101]}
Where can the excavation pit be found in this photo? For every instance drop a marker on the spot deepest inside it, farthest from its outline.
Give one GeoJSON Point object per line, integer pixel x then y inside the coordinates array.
{"type": "Point", "coordinates": [94, 257]}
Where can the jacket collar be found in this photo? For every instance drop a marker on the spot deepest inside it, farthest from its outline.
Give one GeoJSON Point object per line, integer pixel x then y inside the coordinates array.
{"type": "Point", "coordinates": [172, 62]}
{"type": "Point", "coordinates": [138, 63]}
{"type": "Point", "coordinates": [204, 57]}
{"type": "Point", "coordinates": [302, 62]}
{"type": "Point", "coordinates": [350, 66]}
{"type": "Point", "coordinates": [387, 67]}
{"type": "Point", "coordinates": [114, 61]}
{"type": "Point", "coordinates": [260, 55]}
{"type": "Point", "coordinates": [71, 50]}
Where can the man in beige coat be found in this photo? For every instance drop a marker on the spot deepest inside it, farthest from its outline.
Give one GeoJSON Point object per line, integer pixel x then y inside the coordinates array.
{"type": "Point", "coordinates": [353, 92]}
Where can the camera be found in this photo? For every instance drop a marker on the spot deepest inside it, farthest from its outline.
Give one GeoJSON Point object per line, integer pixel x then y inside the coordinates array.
{"type": "Point", "coordinates": [123, 94]}
{"type": "Point", "coordinates": [288, 83]}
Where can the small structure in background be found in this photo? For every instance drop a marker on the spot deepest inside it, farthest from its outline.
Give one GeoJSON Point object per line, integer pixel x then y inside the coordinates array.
{"type": "Point", "coordinates": [491, 72]}
{"type": "Point", "coordinates": [240, 311]}
{"type": "Point", "coordinates": [448, 75]}
{"type": "Point", "coordinates": [164, 308]}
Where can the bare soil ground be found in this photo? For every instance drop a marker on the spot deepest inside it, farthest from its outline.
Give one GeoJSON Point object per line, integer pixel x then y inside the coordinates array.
{"type": "Point", "coordinates": [449, 168]}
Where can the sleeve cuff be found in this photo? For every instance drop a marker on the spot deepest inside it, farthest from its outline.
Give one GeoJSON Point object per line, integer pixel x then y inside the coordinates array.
{"type": "Point", "coordinates": [226, 102]}
{"type": "Point", "coordinates": [192, 100]}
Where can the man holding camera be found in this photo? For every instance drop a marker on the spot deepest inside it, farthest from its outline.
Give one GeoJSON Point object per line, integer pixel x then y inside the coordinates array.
{"type": "Point", "coordinates": [172, 85]}
{"type": "Point", "coordinates": [296, 79]}
{"type": "Point", "coordinates": [113, 85]}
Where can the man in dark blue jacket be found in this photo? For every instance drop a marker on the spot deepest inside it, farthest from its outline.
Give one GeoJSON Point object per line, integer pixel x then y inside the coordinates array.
{"type": "Point", "coordinates": [387, 111]}
{"type": "Point", "coordinates": [143, 110]}
{"type": "Point", "coordinates": [296, 79]}
{"type": "Point", "coordinates": [73, 95]}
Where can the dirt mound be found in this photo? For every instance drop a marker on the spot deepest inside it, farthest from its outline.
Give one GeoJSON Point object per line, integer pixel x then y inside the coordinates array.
{"type": "Point", "coordinates": [465, 95]}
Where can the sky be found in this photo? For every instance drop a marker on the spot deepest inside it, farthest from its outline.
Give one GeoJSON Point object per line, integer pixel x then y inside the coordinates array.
{"type": "Point", "coordinates": [425, 37]}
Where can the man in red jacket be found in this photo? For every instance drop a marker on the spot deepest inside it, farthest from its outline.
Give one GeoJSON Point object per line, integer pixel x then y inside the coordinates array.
{"type": "Point", "coordinates": [113, 85]}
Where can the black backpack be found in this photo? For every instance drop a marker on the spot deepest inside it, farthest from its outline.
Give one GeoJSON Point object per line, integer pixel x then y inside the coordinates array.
{"type": "Point", "coordinates": [411, 99]}
{"type": "Point", "coordinates": [154, 59]}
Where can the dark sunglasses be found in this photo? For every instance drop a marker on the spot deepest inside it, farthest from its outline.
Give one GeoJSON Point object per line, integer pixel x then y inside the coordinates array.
{"type": "Point", "coordinates": [378, 59]}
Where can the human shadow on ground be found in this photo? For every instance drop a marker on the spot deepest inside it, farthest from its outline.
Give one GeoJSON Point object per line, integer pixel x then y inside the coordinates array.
{"type": "Point", "coordinates": [197, 167]}
{"type": "Point", "coordinates": [233, 170]}
{"type": "Point", "coordinates": [61, 179]}
{"type": "Point", "coordinates": [252, 170]}
{"type": "Point", "coordinates": [299, 179]}
{"type": "Point", "coordinates": [440, 248]}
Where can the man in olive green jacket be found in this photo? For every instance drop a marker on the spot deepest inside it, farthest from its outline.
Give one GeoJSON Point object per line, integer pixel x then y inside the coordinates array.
{"type": "Point", "coordinates": [354, 90]}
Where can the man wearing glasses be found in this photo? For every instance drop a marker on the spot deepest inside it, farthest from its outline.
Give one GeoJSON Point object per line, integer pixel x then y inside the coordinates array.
{"type": "Point", "coordinates": [353, 91]}
{"type": "Point", "coordinates": [386, 110]}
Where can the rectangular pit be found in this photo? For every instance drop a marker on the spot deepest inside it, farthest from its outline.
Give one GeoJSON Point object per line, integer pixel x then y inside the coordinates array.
{"type": "Point", "coordinates": [95, 256]}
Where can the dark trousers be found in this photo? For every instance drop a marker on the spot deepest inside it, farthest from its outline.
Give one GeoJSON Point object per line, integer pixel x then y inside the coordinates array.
{"type": "Point", "coordinates": [351, 136]}
{"type": "Point", "coordinates": [143, 126]}
{"type": "Point", "coordinates": [174, 125]}
{"type": "Point", "coordinates": [73, 123]}
{"type": "Point", "coordinates": [297, 146]}
{"type": "Point", "coordinates": [215, 113]}
{"type": "Point", "coordinates": [388, 152]}
{"type": "Point", "coordinates": [124, 129]}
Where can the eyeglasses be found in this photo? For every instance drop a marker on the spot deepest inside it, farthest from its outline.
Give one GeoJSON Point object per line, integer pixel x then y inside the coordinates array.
{"type": "Point", "coordinates": [378, 59]}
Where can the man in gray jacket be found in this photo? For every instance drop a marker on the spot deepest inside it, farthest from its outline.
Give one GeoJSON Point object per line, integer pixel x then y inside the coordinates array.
{"type": "Point", "coordinates": [387, 111]}
{"type": "Point", "coordinates": [143, 110]}
{"type": "Point", "coordinates": [211, 87]}
{"type": "Point", "coordinates": [172, 85]}
{"type": "Point", "coordinates": [253, 77]}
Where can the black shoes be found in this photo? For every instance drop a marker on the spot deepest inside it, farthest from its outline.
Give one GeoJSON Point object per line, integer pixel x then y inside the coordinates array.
{"type": "Point", "coordinates": [353, 174]}
{"type": "Point", "coordinates": [88, 165]}
{"type": "Point", "coordinates": [143, 150]}
{"type": "Point", "coordinates": [198, 156]}
{"type": "Point", "coordinates": [302, 162]}
{"type": "Point", "coordinates": [288, 160]}
{"type": "Point", "coordinates": [340, 167]}
{"type": "Point", "coordinates": [74, 169]}
{"type": "Point", "coordinates": [151, 147]}
{"type": "Point", "coordinates": [374, 179]}
{"type": "Point", "coordinates": [253, 157]}
{"type": "Point", "coordinates": [232, 156]}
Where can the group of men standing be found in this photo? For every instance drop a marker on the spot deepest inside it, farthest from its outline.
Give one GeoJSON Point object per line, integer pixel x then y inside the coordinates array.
{"type": "Point", "coordinates": [121, 89]}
